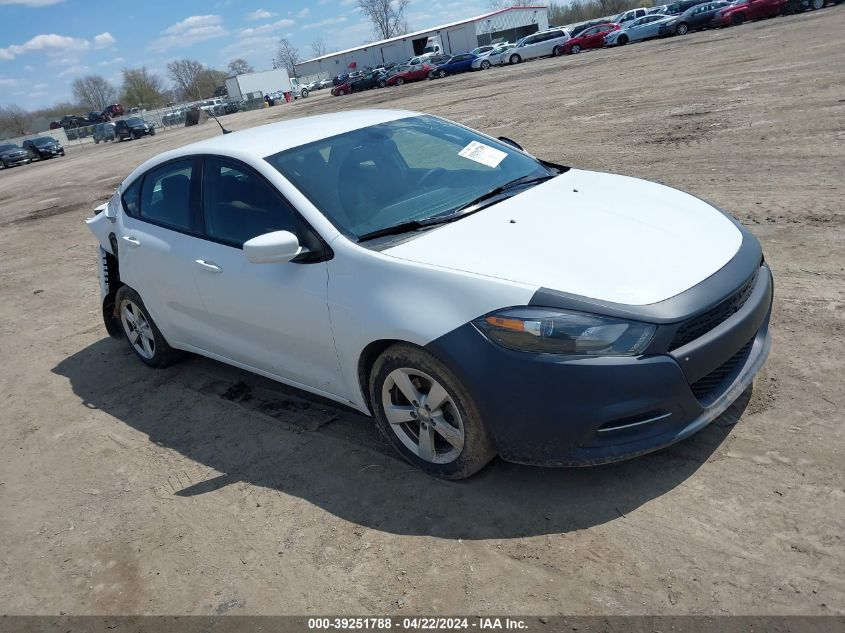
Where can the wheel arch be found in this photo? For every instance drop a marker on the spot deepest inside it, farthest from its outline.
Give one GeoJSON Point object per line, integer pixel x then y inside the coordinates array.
{"type": "Point", "coordinates": [366, 361]}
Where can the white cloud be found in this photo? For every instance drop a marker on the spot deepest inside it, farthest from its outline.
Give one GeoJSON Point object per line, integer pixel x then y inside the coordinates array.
{"type": "Point", "coordinates": [111, 62]}
{"type": "Point", "coordinates": [32, 3]}
{"type": "Point", "coordinates": [304, 13]}
{"type": "Point", "coordinates": [104, 39]}
{"type": "Point", "coordinates": [73, 70]}
{"type": "Point", "coordinates": [326, 22]}
{"type": "Point", "coordinates": [266, 28]}
{"type": "Point", "coordinates": [190, 31]}
{"type": "Point", "coordinates": [8, 82]}
{"type": "Point", "coordinates": [49, 43]}
{"type": "Point", "coordinates": [259, 14]}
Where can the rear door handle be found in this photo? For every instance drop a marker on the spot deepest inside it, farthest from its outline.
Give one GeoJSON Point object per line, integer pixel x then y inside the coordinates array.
{"type": "Point", "coordinates": [209, 266]}
{"type": "Point", "coordinates": [131, 240]}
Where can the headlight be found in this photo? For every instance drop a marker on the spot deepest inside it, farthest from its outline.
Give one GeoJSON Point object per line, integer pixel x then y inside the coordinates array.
{"type": "Point", "coordinates": [544, 330]}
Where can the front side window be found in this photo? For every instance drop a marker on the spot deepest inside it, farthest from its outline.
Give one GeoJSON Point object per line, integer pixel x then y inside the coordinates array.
{"type": "Point", "coordinates": [411, 169]}
{"type": "Point", "coordinates": [238, 205]}
{"type": "Point", "coordinates": [166, 195]}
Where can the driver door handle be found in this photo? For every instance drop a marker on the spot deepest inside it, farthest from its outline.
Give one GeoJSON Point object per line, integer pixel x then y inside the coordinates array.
{"type": "Point", "coordinates": [209, 266]}
{"type": "Point", "coordinates": [133, 241]}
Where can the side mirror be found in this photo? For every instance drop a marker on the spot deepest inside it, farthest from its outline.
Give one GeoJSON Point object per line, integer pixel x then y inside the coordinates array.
{"type": "Point", "coordinates": [272, 248]}
{"type": "Point", "coordinates": [511, 142]}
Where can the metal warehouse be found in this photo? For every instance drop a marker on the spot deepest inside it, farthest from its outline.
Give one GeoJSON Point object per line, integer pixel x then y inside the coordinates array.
{"type": "Point", "coordinates": [458, 37]}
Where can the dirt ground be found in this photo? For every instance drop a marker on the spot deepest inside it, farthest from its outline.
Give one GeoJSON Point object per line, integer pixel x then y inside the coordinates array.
{"type": "Point", "coordinates": [202, 489]}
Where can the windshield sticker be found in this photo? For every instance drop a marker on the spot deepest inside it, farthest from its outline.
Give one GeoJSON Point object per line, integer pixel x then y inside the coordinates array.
{"type": "Point", "coordinates": [484, 154]}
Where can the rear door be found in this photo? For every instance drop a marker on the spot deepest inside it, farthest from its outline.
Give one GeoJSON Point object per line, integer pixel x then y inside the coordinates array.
{"type": "Point", "coordinates": [157, 238]}
{"type": "Point", "coordinates": [270, 317]}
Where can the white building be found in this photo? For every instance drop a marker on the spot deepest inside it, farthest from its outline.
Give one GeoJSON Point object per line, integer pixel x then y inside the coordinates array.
{"type": "Point", "coordinates": [458, 37]}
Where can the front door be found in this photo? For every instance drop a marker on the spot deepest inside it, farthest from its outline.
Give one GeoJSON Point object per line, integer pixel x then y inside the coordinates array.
{"type": "Point", "coordinates": [272, 317]}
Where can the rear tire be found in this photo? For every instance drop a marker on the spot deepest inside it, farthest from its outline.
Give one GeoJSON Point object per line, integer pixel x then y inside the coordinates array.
{"type": "Point", "coordinates": [419, 433]}
{"type": "Point", "coordinates": [141, 332]}
{"type": "Point", "coordinates": [818, 4]}
{"type": "Point", "coordinates": [557, 51]}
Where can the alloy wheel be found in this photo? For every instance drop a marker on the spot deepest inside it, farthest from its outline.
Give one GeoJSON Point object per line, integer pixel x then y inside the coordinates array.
{"type": "Point", "coordinates": [423, 415]}
{"type": "Point", "coordinates": [575, 49]}
{"type": "Point", "coordinates": [137, 329]}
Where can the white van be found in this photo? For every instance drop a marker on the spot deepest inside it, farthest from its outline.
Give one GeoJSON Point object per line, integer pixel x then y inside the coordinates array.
{"type": "Point", "coordinates": [540, 44]}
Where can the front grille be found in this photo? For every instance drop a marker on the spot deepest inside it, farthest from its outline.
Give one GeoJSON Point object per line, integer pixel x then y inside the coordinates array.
{"type": "Point", "coordinates": [699, 325]}
{"type": "Point", "coordinates": [704, 389]}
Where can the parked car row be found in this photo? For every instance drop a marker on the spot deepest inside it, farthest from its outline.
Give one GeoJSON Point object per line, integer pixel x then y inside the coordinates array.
{"type": "Point", "coordinates": [39, 148]}
{"type": "Point", "coordinates": [678, 18]}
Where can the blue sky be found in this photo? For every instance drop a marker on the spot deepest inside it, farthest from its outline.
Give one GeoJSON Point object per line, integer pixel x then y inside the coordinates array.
{"type": "Point", "coordinates": [46, 44]}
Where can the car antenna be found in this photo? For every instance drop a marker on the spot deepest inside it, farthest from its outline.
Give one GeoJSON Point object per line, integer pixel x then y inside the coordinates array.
{"type": "Point", "coordinates": [225, 131]}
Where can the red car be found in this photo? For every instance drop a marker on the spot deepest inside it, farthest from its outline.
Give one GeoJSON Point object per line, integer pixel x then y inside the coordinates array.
{"type": "Point", "coordinates": [592, 37]}
{"type": "Point", "coordinates": [342, 89]}
{"type": "Point", "coordinates": [114, 110]}
{"type": "Point", "coordinates": [407, 74]}
{"type": "Point", "coordinates": [736, 14]}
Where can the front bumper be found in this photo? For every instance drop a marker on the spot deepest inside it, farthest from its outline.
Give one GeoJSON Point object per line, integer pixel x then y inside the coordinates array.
{"type": "Point", "coordinates": [18, 160]}
{"type": "Point", "coordinates": [553, 411]}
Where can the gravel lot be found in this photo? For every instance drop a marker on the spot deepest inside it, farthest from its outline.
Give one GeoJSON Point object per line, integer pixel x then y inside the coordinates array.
{"type": "Point", "coordinates": [203, 489]}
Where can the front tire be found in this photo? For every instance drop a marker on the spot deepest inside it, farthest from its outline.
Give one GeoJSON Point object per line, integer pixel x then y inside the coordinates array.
{"type": "Point", "coordinates": [142, 334]}
{"type": "Point", "coordinates": [818, 4]}
{"type": "Point", "coordinates": [623, 39]}
{"type": "Point", "coordinates": [737, 19]}
{"type": "Point", "coordinates": [575, 49]}
{"type": "Point", "coordinates": [681, 29]}
{"type": "Point", "coordinates": [485, 65]}
{"type": "Point", "coordinates": [400, 81]}
{"type": "Point", "coordinates": [514, 59]}
{"type": "Point", "coordinates": [305, 93]}
{"type": "Point", "coordinates": [427, 415]}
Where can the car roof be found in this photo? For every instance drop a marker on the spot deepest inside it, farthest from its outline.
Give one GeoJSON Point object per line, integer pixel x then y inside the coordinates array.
{"type": "Point", "coordinates": [265, 140]}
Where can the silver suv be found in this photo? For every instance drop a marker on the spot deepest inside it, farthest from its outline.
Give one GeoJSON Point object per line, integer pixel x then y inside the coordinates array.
{"type": "Point", "coordinates": [540, 44]}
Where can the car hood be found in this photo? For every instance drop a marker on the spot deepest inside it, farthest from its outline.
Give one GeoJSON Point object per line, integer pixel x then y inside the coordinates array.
{"type": "Point", "coordinates": [596, 235]}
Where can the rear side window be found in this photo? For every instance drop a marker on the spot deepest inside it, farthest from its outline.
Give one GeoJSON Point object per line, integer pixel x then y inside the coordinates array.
{"type": "Point", "coordinates": [166, 195]}
{"type": "Point", "coordinates": [131, 198]}
{"type": "Point", "coordinates": [239, 205]}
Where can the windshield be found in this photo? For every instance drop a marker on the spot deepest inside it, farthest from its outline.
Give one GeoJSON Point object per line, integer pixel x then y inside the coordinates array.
{"type": "Point", "coordinates": [402, 171]}
{"type": "Point", "coordinates": [134, 121]}
{"type": "Point", "coordinates": [8, 148]}
{"type": "Point", "coordinates": [43, 140]}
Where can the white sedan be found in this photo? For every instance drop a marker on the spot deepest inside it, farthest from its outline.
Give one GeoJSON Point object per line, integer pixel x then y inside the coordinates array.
{"type": "Point", "coordinates": [472, 298]}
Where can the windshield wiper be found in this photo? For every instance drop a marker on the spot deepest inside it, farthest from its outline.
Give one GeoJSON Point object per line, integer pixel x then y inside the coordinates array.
{"type": "Point", "coordinates": [396, 229]}
{"type": "Point", "coordinates": [465, 209]}
{"type": "Point", "coordinates": [479, 203]}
